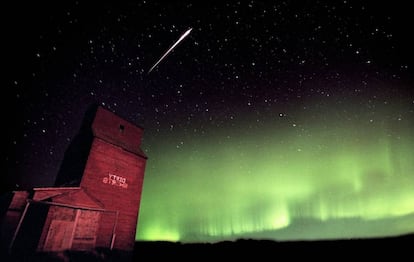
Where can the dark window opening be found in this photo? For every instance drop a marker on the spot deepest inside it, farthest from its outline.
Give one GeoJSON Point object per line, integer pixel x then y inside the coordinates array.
{"type": "Point", "coordinates": [121, 128]}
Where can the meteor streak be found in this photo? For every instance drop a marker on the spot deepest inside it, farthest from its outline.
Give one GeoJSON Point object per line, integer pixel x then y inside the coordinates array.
{"type": "Point", "coordinates": [171, 48]}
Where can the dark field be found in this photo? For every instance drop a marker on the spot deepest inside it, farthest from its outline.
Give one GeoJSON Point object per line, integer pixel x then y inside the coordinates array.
{"type": "Point", "coordinates": [384, 249]}
{"type": "Point", "coordinates": [393, 248]}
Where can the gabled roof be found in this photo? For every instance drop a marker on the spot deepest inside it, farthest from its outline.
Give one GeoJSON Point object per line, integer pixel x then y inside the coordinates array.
{"type": "Point", "coordinates": [67, 195]}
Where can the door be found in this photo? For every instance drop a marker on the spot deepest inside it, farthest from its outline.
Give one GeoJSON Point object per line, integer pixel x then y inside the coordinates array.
{"type": "Point", "coordinates": [59, 236]}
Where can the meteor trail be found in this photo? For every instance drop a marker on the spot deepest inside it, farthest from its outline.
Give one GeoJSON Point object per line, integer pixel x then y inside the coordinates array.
{"type": "Point", "coordinates": [171, 48]}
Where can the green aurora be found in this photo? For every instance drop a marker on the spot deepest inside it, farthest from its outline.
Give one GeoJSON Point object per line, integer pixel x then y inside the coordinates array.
{"type": "Point", "coordinates": [330, 171]}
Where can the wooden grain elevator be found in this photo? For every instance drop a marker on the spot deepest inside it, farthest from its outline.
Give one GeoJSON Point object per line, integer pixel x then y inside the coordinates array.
{"type": "Point", "coordinates": [95, 201]}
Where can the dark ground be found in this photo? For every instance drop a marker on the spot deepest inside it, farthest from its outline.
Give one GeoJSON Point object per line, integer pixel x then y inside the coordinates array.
{"type": "Point", "coordinates": [394, 249]}
{"type": "Point", "coordinates": [384, 249]}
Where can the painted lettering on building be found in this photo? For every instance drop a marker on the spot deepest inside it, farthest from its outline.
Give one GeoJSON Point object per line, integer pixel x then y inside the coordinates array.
{"type": "Point", "coordinates": [115, 180]}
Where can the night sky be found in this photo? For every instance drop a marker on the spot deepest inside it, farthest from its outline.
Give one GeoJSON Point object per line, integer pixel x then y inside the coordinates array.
{"type": "Point", "coordinates": [284, 120]}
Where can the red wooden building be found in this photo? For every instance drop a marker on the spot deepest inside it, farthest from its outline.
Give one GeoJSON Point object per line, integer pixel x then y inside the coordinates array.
{"type": "Point", "coordinates": [96, 200]}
